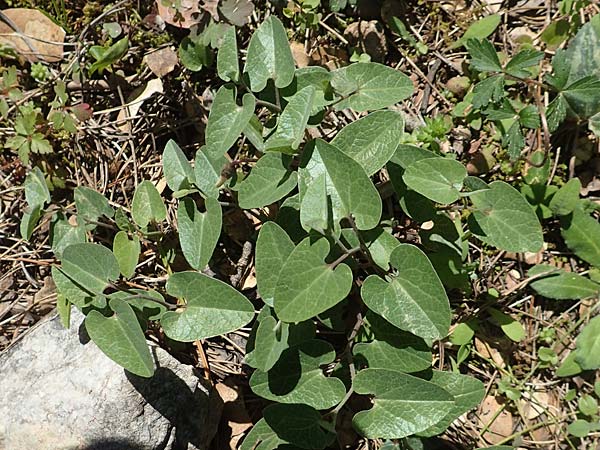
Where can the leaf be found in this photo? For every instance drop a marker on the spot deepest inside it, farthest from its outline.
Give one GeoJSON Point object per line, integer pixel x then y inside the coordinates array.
{"type": "Point", "coordinates": [306, 432]}
{"type": "Point", "coordinates": [307, 286]}
{"type": "Point", "coordinates": [414, 299]}
{"type": "Point", "coordinates": [228, 66]}
{"type": "Point", "coordinates": [269, 56]}
{"type": "Point", "coordinates": [176, 167]}
{"type": "Point", "coordinates": [468, 392]}
{"type": "Point", "coordinates": [403, 404]}
{"type": "Point", "coordinates": [297, 377]}
{"type": "Point", "coordinates": [207, 171]}
{"type": "Point", "coordinates": [511, 327]}
{"type": "Point", "coordinates": [199, 232]}
{"type": "Point", "coordinates": [194, 53]}
{"type": "Point", "coordinates": [582, 52]}
{"type": "Point", "coordinates": [582, 97]}
{"type": "Point", "coordinates": [317, 77]}
{"type": "Point", "coordinates": [392, 348]}
{"type": "Point", "coordinates": [588, 346]}
{"type": "Point", "coordinates": [370, 86]}
{"type": "Point", "coordinates": [483, 56]}
{"type": "Point", "coordinates": [581, 233]}
{"type": "Point", "coordinates": [238, 12]}
{"type": "Point", "coordinates": [580, 428]}
{"type": "Point", "coordinates": [141, 303]}
{"type": "Point", "coordinates": [328, 194]}
{"type": "Point", "coordinates": [91, 205]}
{"type": "Point", "coordinates": [514, 141]}
{"type": "Point", "coordinates": [504, 219]}
{"type": "Point", "coordinates": [120, 337]}
{"type": "Point", "coordinates": [372, 140]}
{"type": "Point", "coordinates": [480, 29]}
{"type": "Point", "coordinates": [523, 60]}
{"type": "Point", "coordinates": [213, 308]}
{"type": "Point", "coordinates": [269, 181]}
{"type": "Point", "coordinates": [261, 437]}
{"type": "Point", "coordinates": [29, 221]}
{"type": "Point", "coordinates": [438, 179]}
{"type": "Point", "coordinates": [292, 123]}
{"type": "Point", "coordinates": [36, 189]}
{"type": "Point", "coordinates": [63, 234]}
{"type": "Point", "coordinates": [489, 90]}
{"type": "Point", "coordinates": [380, 243]}
{"type": "Point", "coordinates": [147, 205]}
{"type": "Point", "coordinates": [227, 120]}
{"type": "Point", "coordinates": [569, 367]}
{"type": "Point", "coordinates": [555, 33]}
{"type": "Point", "coordinates": [127, 252]}
{"type": "Point", "coordinates": [562, 285]}
{"type": "Point", "coordinates": [406, 155]}
{"type": "Point", "coordinates": [594, 124]}
{"type": "Point", "coordinates": [106, 57]}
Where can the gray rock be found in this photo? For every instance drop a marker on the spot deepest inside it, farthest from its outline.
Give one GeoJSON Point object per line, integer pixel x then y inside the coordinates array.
{"type": "Point", "coordinates": [60, 392]}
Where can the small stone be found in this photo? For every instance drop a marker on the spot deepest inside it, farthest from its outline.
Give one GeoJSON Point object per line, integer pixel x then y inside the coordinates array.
{"type": "Point", "coordinates": [458, 85]}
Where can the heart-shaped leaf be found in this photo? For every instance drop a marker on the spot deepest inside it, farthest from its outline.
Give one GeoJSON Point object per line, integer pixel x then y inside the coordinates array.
{"type": "Point", "coordinates": [121, 338]}
{"type": "Point", "coordinates": [297, 377]}
{"type": "Point", "coordinates": [562, 285]}
{"type": "Point", "coordinates": [328, 194]}
{"type": "Point", "coordinates": [63, 234]}
{"type": "Point", "coordinates": [504, 219]}
{"type": "Point", "coordinates": [147, 205]}
{"type": "Point", "coordinates": [307, 432]}
{"type": "Point", "coordinates": [317, 77]}
{"type": "Point", "coordinates": [262, 437]}
{"type": "Point", "coordinates": [36, 189]}
{"type": "Point", "coordinates": [228, 66]}
{"type": "Point", "coordinates": [438, 179]}
{"type": "Point", "coordinates": [404, 404]}
{"type": "Point", "coordinates": [213, 308]}
{"type": "Point", "coordinates": [127, 252]}
{"type": "Point", "coordinates": [581, 233]}
{"type": "Point", "coordinates": [566, 198]}
{"type": "Point", "coordinates": [177, 169]}
{"type": "Point", "coordinates": [372, 140]}
{"type": "Point", "coordinates": [414, 299]}
{"type": "Point", "coordinates": [199, 232]}
{"type": "Point", "coordinates": [90, 206]}
{"type": "Point", "coordinates": [269, 56]}
{"type": "Point", "coordinates": [307, 285]}
{"type": "Point", "coordinates": [273, 248]}
{"type": "Point", "coordinates": [370, 86]}
{"type": "Point", "coordinates": [207, 169]}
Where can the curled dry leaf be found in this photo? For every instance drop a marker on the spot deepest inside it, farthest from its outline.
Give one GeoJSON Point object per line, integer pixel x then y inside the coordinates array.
{"type": "Point", "coordinates": [162, 61]}
{"type": "Point", "coordinates": [187, 15]}
{"type": "Point", "coordinates": [300, 57]}
{"type": "Point", "coordinates": [133, 106]}
{"type": "Point", "coordinates": [34, 36]}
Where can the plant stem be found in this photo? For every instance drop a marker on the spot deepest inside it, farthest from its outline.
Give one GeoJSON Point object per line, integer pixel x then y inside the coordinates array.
{"type": "Point", "coordinates": [341, 259]}
{"type": "Point", "coordinates": [269, 105]}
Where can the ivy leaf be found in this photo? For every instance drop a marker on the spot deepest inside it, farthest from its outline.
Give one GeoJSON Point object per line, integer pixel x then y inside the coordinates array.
{"type": "Point", "coordinates": [273, 248]}
{"type": "Point", "coordinates": [199, 232]}
{"type": "Point", "coordinates": [562, 285]}
{"type": "Point", "coordinates": [297, 377]}
{"type": "Point", "coordinates": [177, 169]}
{"type": "Point", "coordinates": [403, 404]}
{"type": "Point", "coordinates": [269, 56]}
{"type": "Point", "coordinates": [292, 122]}
{"type": "Point", "coordinates": [207, 171]}
{"type": "Point", "coordinates": [370, 86]}
{"type": "Point", "coordinates": [63, 234]}
{"type": "Point", "coordinates": [414, 299]}
{"type": "Point", "coordinates": [504, 219]}
{"type": "Point", "coordinates": [121, 338]}
{"type": "Point", "coordinates": [307, 286]}
{"type": "Point", "coordinates": [213, 308]}
{"type": "Point", "coordinates": [227, 120]}
{"type": "Point", "coordinates": [147, 205]}
{"type": "Point", "coordinates": [228, 66]}
{"type": "Point", "coordinates": [270, 180]}
{"type": "Point", "coordinates": [372, 140]}
{"type": "Point", "coordinates": [393, 348]}
{"type": "Point", "coordinates": [489, 90]}
{"type": "Point", "coordinates": [90, 206]}
{"type": "Point", "coordinates": [438, 179]}
{"type": "Point", "coordinates": [483, 56]}
{"type": "Point", "coordinates": [307, 431]}
{"type": "Point", "coordinates": [479, 29]}
{"type": "Point", "coordinates": [523, 60]}
{"type": "Point", "coordinates": [127, 252]}
{"type": "Point", "coordinates": [581, 233]}
{"type": "Point", "coordinates": [36, 189]}
{"type": "Point", "coordinates": [588, 346]}
{"type": "Point", "coordinates": [328, 194]}
{"type": "Point", "coordinates": [261, 437]}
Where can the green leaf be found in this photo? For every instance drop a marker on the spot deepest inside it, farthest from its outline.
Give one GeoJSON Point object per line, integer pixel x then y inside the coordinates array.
{"type": "Point", "coordinates": [36, 189]}
{"type": "Point", "coordinates": [28, 222]}
{"type": "Point", "coordinates": [106, 57]}
{"type": "Point", "coordinates": [213, 308]}
{"type": "Point", "coordinates": [504, 219]}
{"type": "Point", "coordinates": [127, 252]}
{"type": "Point", "coordinates": [403, 404]}
{"type": "Point", "coordinates": [328, 194]}
{"type": "Point", "coordinates": [317, 77]}
{"type": "Point", "coordinates": [194, 53]}
{"type": "Point", "coordinates": [306, 432]}
{"type": "Point", "coordinates": [292, 123]}
{"type": "Point", "coordinates": [523, 60]}
{"type": "Point", "coordinates": [370, 86]}
{"type": "Point", "coordinates": [63, 234]}
{"type": "Point", "coordinates": [583, 97]}
{"type": "Point", "coordinates": [582, 52]}
{"type": "Point", "coordinates": [147, 205]}
{"type": "Point", "coordinates": [307, 286]}
{"type": "Point", "coordinates": [489, 90]}
{"type": "Point", "coordinates": [588, 346]}
{"type": "Point", "coordinates": [177, 169]}
{"type": "Point", "coordinates": [91, 205]}
{"type": "Point", "coordinates": [227, 120]}
{"type": "Point", "coordinates": [199, 232]}
{"type": "Point", "coordinates": [228, 66]}
{"type": "Point", "coordinates": [140, 300]}
{"type": "Point", "coordinates": [414, 299]}
{"type": "Point", "coordinates": [372, 140]}
{"type": "Point", "coordinates": [594, 124]}
{"type": "Point", "coordinates": [581, 233]}
{"type": "Point", "coordinates": [580, 428]}
{"type": "Point", "coordinates": [468, 392]}
{"type": "Point", "coordinates": [297, 377]}
{"type": "Point", "coordinates": [569, 366]}
{"type": "Point", "coordinates": [588, 405]}
{"type": "Point", "coordinates": [380, 243]}
{"type": "Point", "coordinates": [483, 56]}
{"type": "Point", "coordinates": [480, 29]}
{"type": "Point", "coordinates": [556, 112]}
{"type": "Point", "coordinates": [207, 171]}
{"type": "Point", "coordinates": [120, 337]}
{"type": "Point", "coordinates": [254, 133]}
{"type": "Point", "coordinates": [562, 285]}
{"type": "Point", "coordinates": [438, 179]}
{"type": "Point", "coordinates": [555, 33]}
{"type": "Point", "coordinates": [510, 326]}
{"type": "Point", "coordinates": [261, 437]}
{"type": "Point", "coordinates": [269, 56]}
{"type": "Point", "coordinates": [269, 181]}
{"type": "Point", "coordinates": [406, 155]}
{"type": "Point", "coordinates": [273, 248]}
{"type": "Point", "coordinates": [393, 348]}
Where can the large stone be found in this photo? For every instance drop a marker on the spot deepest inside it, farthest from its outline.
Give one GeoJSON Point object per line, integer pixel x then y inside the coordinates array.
{"type": "Point", "coordinates": [60, 392]}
